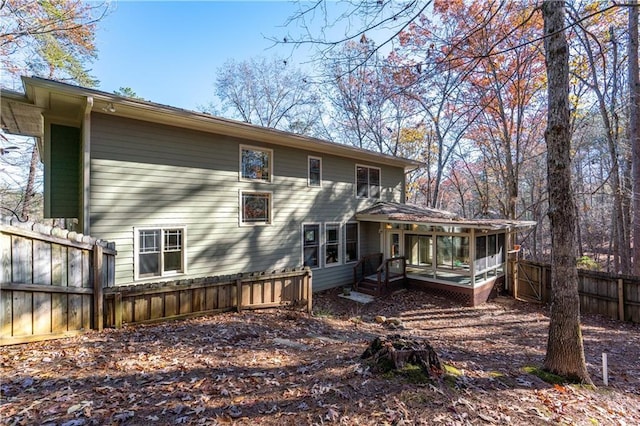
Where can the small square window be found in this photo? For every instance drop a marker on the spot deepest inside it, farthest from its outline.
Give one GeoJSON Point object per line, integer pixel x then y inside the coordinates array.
{"type": "Point", "coordinates": [255, 208]}
{"type": "Point", "coordinates": [256, 163]}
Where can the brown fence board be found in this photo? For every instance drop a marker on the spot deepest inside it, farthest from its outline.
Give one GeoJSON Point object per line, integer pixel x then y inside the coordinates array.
{"type": "Point", "coordinates": [59, 309]}
{"type": "Point", "coordinates": [41, 313]}
{"type": "Point", "coordinates": [47, 281]}
{"type": "Point", "coordinates": [600, 293]}
{"type": "Point", "coordinates": [6, 325]}
{"type": "Point", "coordinates": [42, 262]}
{"type": "Point", "coordinates": [21, 313]}
{"type": "Point", "coordinates": [21, 260]}
{"type": "Point", "coordinates": [179, 299]}
{"type": "Point", "coordinates": [59, 265]}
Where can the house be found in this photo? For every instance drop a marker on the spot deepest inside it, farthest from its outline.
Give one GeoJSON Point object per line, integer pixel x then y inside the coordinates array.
{"type": "Point", "coordinates": [185, 194]}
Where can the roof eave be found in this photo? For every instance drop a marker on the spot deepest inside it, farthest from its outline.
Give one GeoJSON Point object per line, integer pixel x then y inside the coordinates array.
{"type": "Point", "coordinates": [149, 111]}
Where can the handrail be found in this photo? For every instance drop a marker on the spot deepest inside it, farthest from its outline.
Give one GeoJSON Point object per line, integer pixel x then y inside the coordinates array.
{"type": "Point", "coordinates": [361, 266]}
{"type": "Point", "coordinates": [384, 267]}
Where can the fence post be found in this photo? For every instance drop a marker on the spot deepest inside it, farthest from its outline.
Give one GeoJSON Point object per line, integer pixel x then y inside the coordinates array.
{"type": "Point", "coordinates": [620, 299]}
{"type": "Point", "coordinates": [239, 294]}
{"type": "Point", "coordinates": [117, 309]}
{"type": "Point", "coordinates": [98, 298]}
{"type": "Point", "coordinates": [309, 286]}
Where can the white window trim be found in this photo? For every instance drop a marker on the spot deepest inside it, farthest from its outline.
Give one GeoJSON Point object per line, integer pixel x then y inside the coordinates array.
{"type": "Point", "coordinates": [344, 245]}
{"type": "Point", "coordinates": [241, 209]}
{"type": "Point", "coordinates": [355, 182]}
{"type": "Point", "coordinates": [320, 240]}
{"type": "Point", "coordinates": [324, 245]}
{"type": "Point", "coordinates": [136, 252]}
{"type": "Point", "coordinates": [255, 148]}
{"type": "Point", "coordinates": [310, 157]}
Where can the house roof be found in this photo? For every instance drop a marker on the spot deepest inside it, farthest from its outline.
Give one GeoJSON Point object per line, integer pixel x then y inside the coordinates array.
{"type": "Point", "coordinates": [66, 103]}
{"type": "Point", "coordinates": [384, 211]}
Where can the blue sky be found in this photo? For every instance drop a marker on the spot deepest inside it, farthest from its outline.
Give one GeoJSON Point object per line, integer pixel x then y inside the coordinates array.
{"type": "Point", "coordinates": [169, 52]}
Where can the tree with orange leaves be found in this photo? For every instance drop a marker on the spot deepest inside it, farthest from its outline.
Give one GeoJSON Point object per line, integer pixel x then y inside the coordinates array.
{"type": "Point", "coordinates": [52, 39]}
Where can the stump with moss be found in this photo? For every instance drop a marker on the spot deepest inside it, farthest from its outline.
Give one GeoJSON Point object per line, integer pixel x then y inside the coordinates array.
{"type": "Point", "coordinates": [396, 352]}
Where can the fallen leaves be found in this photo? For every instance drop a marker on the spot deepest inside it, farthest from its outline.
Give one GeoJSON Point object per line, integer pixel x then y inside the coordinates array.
{"type": "Point", "coordinates": [280, 368]}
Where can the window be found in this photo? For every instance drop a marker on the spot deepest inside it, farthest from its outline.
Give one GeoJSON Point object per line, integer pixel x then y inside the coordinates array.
{"type": "Point", "coordinates": [351, 242]}
{"type": "Point", "coordinates": [315, 171]}
{"type": "Point", "coordinates": [255, 163]}
{"type": "Point", "coordinates": [367, 182]}
{"type": "Point", "coordinates": [332, 244]}
{"type": "Point", "coordinates": [160, 251]}
{"type": "Point", "coordinates": [418, 249]}
{"type": "Point", "coordinates": [311, 245]}
{"type": "Point", "coordinates": [255, 208]}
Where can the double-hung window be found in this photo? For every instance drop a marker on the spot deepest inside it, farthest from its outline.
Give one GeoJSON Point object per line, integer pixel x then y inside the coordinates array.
{"type": "Point", "coordinates": [256, 164]}
{"type": "Point", "coordinates": [315, 171]}
{"type": "Point", "coordinates": [255, 208]}
{"type": "Point", "coordinates": [160, 251]}
{"type": "Point", "coordinates": [332, 247]}
{"type": "Point", "coordinates": [367, 182]}
{"type": "Point", "coordinates": [311, 245]}
{"type": "Point", "coordinates": [351, 242]}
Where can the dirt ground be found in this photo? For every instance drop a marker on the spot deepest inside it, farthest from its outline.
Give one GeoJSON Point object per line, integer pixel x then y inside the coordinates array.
{"type": "Point", "coordinates": [282, 367]}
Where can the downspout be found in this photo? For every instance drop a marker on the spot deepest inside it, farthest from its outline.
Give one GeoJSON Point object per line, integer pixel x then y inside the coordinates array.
{"type": "Point", "coordinates": [85, 195]}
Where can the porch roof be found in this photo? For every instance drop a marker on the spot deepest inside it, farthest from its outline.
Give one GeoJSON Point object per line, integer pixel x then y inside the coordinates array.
{"type": "Point", "coordinates": [385, 211]}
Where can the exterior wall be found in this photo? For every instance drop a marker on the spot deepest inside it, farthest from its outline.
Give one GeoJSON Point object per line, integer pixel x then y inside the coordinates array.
{"type": "Point", "coordinates": [145, 174]}
{"type": "Point", "coordinates": [371, 236]}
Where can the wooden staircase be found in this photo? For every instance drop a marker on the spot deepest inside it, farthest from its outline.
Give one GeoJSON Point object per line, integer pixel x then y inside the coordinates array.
{"type": "Point", "coordinates": [375, 276]}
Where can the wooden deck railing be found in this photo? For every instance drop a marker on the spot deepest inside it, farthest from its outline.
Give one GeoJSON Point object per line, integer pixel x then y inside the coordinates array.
{"type": "Point", "coordinates": [385, 275]}
{"type": "Point", "coordinates": [367, 265]}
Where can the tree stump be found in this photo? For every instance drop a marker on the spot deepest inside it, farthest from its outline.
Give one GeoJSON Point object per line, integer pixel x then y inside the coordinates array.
{"type": "Point", "coordinates": [395, 352]}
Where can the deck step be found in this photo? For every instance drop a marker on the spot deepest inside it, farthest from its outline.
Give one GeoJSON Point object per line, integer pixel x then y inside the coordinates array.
{"type": "Point", "coordinates": [368, 286]}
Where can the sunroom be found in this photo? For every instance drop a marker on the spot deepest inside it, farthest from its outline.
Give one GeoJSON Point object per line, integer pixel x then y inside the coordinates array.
{"type": "Point", "coordinates": [464, 259]}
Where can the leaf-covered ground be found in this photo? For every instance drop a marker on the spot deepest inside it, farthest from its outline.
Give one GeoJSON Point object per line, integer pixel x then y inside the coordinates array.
{"type": "Point", "coordinates": [282, 367]}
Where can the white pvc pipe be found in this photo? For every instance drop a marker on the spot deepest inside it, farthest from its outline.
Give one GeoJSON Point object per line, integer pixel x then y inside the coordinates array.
{"type": "Point", "coordinates": [605, 373]}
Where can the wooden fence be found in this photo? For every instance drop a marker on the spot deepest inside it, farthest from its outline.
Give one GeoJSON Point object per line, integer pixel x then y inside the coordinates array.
{"type": "Point", "coordinates": [163, 301]}
{"type": "Point", "coordinates": [615, 296]}
{"type": "Point", "coordinates": [48, 280]}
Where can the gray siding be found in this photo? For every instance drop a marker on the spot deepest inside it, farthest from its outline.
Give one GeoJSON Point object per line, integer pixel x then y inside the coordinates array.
{"type": "Point", "coordinates": [145, 174]}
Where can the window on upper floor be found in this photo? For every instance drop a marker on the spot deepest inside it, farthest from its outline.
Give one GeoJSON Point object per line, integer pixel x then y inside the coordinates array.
{"type": "Point", "coordinates": [160, 251]}
{"type": "Point", "coordinates": [315, 171]}
{"type": "Point", "coordinates": [256, 164]}
{"type": "Point", "coordinates": [255, 208]}
{"type": "Point", "coordinates": [367, 182]}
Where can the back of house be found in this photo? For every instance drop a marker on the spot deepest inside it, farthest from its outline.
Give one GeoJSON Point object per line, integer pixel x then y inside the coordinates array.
{"type": "Point", "coordinates": [186, 195]}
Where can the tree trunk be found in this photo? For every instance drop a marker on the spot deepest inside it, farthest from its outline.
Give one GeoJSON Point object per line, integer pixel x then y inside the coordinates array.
{"type": "Point", "coordinates": [565, 352]}
{"type": "Point", "coordinates": [634, 129]}
{"type": "Point", "coordinates": [28, 192]}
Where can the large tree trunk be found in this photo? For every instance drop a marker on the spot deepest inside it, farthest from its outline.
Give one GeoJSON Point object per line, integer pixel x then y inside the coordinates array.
{"type": "Point", "coordinates": [29, 190]}
{"type": "Point", "coordinates": [634, 129]}
{"type": "Point", "coordinates": [565, 353]}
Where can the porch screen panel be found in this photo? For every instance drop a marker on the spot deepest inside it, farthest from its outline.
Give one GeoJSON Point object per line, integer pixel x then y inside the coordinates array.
{"type": "Point", "coordinates": [418, 250]}
{"type": "Point", "coordinates": [481, 253]}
